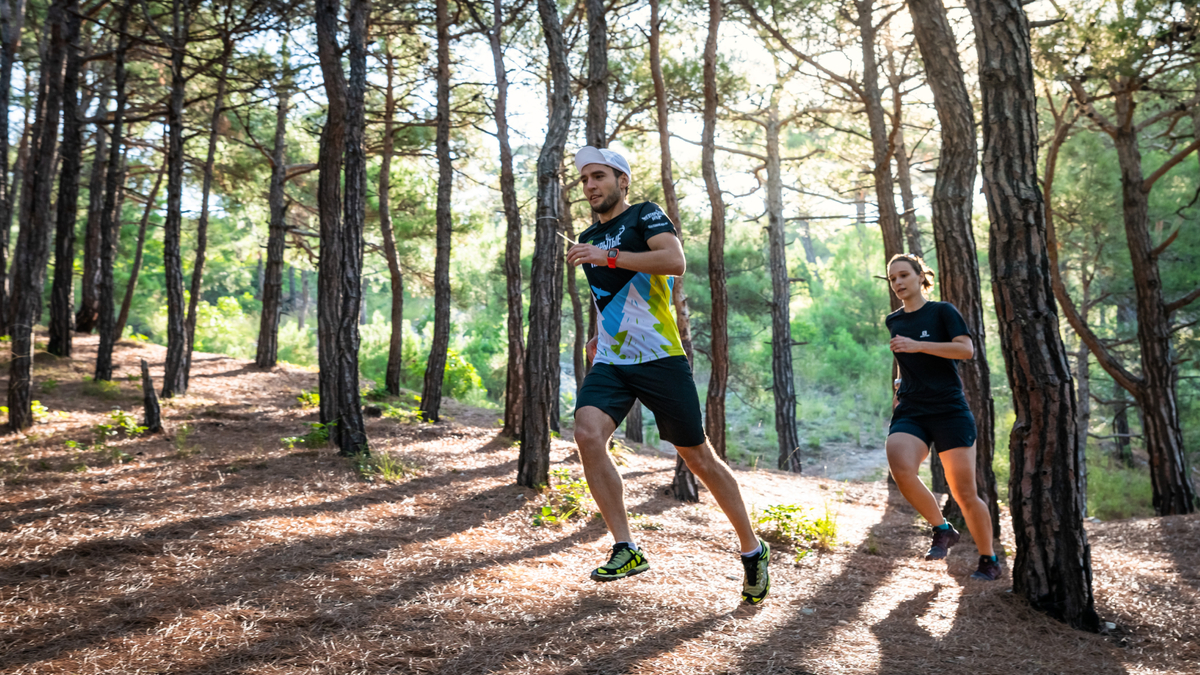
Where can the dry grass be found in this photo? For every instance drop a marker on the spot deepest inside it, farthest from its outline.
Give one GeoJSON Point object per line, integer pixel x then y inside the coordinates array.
{"type": "Point", "coordinates": [237, 555]}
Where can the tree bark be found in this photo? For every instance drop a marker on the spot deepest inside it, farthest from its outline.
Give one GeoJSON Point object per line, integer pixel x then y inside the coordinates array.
{"type": "Point", "coordinates": [435, 368]}
{"type": "Point", "coordinates": [33, 242]}
{"type": "Point", "coordinates": [953, 234]}
{"type": "Point", "coordinates": [329, 208]}
{"type": "Point", "coordinates": [395, 364]}
{"type": "Point", "coordinates": [1053, 561]}
{"type": "Point", "coordinates": [12, 21]}
{"type": "Point", "coordinates": [714, 406]}
{"type": "Point", "coordinates": [175, 367]}
{"type": "Point", "coordinates": [303, 300]}
{"type": "Point", "coordinates": [783, 384]}
{"type": "Point", "coordinates": [202, 225]}
{"type": "Point", "coordinates": [353, 436]}
{"type": "Point", "coordinates": [89, 306]}
{"type": "Point", "coordinates": [109, 217]}
{"type": "Point", "coordinates": [127, 302]}
{"type": "Point", "coordinates": [533, 462]}
{"type": "Point", "coordinates": [152, 413]}
{"type": "Point", "coordinates": [903, 168]}
{"type": "Point", "coordinates": [267, 353]}
{"type": "Point", "coordinates": [62, 295]}
{"type": "Point", "coordinates": [597, 74]}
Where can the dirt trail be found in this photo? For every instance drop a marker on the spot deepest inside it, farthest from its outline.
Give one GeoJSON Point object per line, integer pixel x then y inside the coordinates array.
{"type": "Point", "coordinates": [219, 550]}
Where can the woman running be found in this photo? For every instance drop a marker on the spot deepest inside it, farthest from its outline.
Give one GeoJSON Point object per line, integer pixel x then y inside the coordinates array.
{"type": "Point", "coordinates": [931, 410]}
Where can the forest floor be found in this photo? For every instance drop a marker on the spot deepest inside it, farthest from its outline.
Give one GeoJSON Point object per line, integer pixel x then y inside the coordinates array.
{"type": "Point", "coordinates": [215, 548]}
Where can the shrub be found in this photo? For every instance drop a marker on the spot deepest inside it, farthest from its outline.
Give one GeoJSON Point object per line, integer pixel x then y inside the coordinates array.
{"type": "Point", "coordinates": [790, 524]}
{"type": "Point", "coordinates": [564, 500]}
{"type": "Point", "coordinates": [105, 389]}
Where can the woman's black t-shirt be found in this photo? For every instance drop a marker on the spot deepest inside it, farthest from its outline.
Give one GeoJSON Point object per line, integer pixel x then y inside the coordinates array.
{"type": "Point", "coordinates": [929, 384]}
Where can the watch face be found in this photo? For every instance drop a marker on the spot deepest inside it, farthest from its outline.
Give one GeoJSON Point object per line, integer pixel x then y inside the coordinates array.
{"type": "Point", "coordinates": [612, 253]}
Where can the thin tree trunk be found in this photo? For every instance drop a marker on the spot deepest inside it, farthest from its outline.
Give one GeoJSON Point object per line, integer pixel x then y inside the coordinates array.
{"type": "Point", "coordinates": [267, 353]}
{"type": "Point", "coordinates": [202, 224]}
{"type": "Point", "coordinates": [556, 327]}
{"type": "Point", "coordinates": [533, 462]}
{"type": "Point", "coordinates": [597, 74]}
{"type": "Point", "coordinates": [151, 201]}
{"type": "Point", "coordinates": [62, 295]}
{"type": "Point", "coordinates": [303, 300]}
{"type": "Point", "coordinates": [89, 306]}
{"type": "Point", "coordinates": [12, 21]}
{"type": "Point", "coordinates": [903, 168]}
{"type": "Point", "coordinates": [953, 234]}
{"type": "Point", "coordinates": [18, 187]}
{"type": "Point", "coordinates": [176, 364]}
{"type": "Point", "coordinates": [435, 369]}
{"type": "Point", "coordinates": [353, 437]}
{"type": "Point", "coordinates": [579, 345]}
{"type": "Point", "coordinates": [329, 207]}
{"type": "Point", "coordinates": [1052, 569]}
{"type": "Point", "coordinates": [33, 242]}
{"type": "Point", "coordinates": [109, 218]}
{"type": "Point", "coordinates": [714, 406]}
{"type": "Point", "coordinates": [783, 384]}
{"type": "Point", "coordinates": [395, 362]}
{"type": "Point", "coordinates": [152, 413]}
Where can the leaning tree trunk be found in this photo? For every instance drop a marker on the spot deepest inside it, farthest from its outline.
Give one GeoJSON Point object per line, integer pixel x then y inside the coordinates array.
{"type": "Point", "coordinates": [175, 366]}
{"type": "Point", "coordinates": [127, 302]}
{"type": "Point", "coordinates": [714, 405]}
{"type": "Point", "coordinates": [957, 259]}
{"type": "Point", "coordinates": [62, 296]}
{"type": "Point", "coordinates": [268, 325]}
{"type": "Point", "coordinates": [395, 363]}
{"type": "Point", "coordinates": [533, 462]}
{"type": "Point", "coordinates": [783, 382]}
{"type": "Point", "coordinates": [1053, 568]}
{"type": "Point", "coordinates": [684, 484]}
{"type": "Point", "coordinates": [353, 436]}
{"type": "Point", "coordinates": [109, 218]}
{"type": "Point", "coordinates": [89, 306]}
{"type": "Point", "coordinates": [515, 369]}
{"type": "Point", "coordinates": [202, 224]}
{"type": "Point", "coordinates": [329, 209]}
{"type": "Point", "coordinates": [12, 20]}
{"type": "Point", "coordinates": [435, 368]}
{"type": "Point", "coordinates": [33, 243]}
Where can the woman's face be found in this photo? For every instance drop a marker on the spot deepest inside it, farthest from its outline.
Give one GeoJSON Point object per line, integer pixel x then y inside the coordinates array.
{"type": "Point", "coordinates": [904, 280]}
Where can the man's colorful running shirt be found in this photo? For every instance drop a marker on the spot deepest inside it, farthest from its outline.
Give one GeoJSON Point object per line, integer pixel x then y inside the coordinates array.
{"type": "Point", "coordinates": [633, 308]}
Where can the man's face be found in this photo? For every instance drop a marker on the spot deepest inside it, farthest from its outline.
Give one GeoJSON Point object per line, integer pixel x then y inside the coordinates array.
{"type": "Point", "coordinates": [602, 187]}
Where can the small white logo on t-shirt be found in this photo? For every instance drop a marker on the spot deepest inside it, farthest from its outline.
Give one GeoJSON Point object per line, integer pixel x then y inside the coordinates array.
{"type": "Point", "coordinates": [924, 333]}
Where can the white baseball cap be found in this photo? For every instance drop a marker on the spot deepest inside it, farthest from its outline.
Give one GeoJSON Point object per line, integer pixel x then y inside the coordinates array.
{"type": "Point", "coordinates": [589, 155]}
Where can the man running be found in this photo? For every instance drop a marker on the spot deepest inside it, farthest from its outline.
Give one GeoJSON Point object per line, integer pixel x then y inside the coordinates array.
{"type": "Point", "coordinates": [629, 257]}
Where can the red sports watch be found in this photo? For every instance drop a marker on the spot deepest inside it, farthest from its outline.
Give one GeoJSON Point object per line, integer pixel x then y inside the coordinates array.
{"type": "Point", "coordinates": [612, 258]}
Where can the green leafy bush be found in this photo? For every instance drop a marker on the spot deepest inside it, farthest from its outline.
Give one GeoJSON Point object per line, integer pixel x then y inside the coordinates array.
{"type": "Point", "coordinates": [791, 524]}
{"type": "Point", "coordinates": [565, 499]}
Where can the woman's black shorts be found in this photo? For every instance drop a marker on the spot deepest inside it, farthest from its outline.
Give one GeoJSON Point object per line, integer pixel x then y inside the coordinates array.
{"type": "Point", "coordinates": [665, 386]}
{"type": "Point", "coordinates": [940, 431]}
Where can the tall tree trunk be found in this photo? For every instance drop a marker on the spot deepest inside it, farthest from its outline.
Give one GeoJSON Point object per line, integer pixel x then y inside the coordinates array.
{"type": "Point", "coordinates": [267, 353]}
{"type": "Point", "coordinates": [597, 74]}
{"type": "Point", "coordinates": [202, 224]}
{"type": "Point", "coordinates": [89, 306]}
{"type": "Point", "coordinates": [109, 217]}
{"type": "Point", "coordinates": [953, 235]}
{"type": "Point", "coordinates": [881, 150]}
{"type": "Point", "coordinates": [18, 177]}
{"type": "Point", "coordinates": [435, 369]}
{"type": "Point", "coordinates": [579, 345]}
{"type": "Point", "coordinates": [303, 300]}
{"type": "Point", "coordinates": [33, 242]}
{"type": "Point", "coordinates": [353, 436]}
{"type": "Point", "coordinates": [175, 367]}
{"type": "Point", "coordinates": [1053, 561]}
{"type": "Point", "coordinates": [151, 201]}
{"type": "Point", "coordinates": [714, 405]}
{"type": "Point", "coordinates": [533, 462]}
{"type": "Point", "coordinates": [12, 21]}
{"type": "Point", "coordinates": [395, 364]}
{"type": "Point", "coordinates": [903, 168]}
{"type": "Point", "coordinates": [329, 207]}
{"type": "Point", "coordinates": [515, 369]}
{"type": "Point", "coordinates": [556, 327]}
{"type": "Point", "coordinates": [62, 295]}
{"type": "Point", "coordinates": [783, 383]}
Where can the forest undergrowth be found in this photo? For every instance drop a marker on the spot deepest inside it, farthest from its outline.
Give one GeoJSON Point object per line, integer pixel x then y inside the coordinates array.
{"type": "Point", "coordinates": [217, 547]}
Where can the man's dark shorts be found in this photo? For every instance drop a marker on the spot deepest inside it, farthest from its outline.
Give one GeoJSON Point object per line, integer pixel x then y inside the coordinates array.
{"type": "Point", "coordinates": [940, 431]}
{"type": "Point", "coordinates": [665, 386]}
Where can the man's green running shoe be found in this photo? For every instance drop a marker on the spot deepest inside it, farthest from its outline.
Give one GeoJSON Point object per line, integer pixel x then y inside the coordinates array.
{"type": "Point", "coordinates": [758, 582]}
{"type": "Point", "coordinates": [624, 562]}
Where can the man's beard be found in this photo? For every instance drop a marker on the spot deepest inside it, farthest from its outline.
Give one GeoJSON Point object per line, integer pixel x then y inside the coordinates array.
{"type": "Point", "coordinates": [609, 202]}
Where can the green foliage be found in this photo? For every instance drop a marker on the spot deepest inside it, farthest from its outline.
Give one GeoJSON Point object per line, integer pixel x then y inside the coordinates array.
{"type": "Point", "coordinates": [565, 499]}
{"type": "Point", "coordinates": [126, 423]}
{"type": "Point", "coordinates": [48, 385]}
{"type": "Point", "coordinates": [182, 447]}
{"type": "Point", "coordinates": [105, 389]}
{"type": "Point", "coordinates": [317, 437]}
{"type": "Point", "coordinates": [641, 521]}
{"type": "Point", "coordinates": [791, 524]}
{"type": "Point", "coordinates": [309, 399]}
{"type": "Point", "coordinates": [383, 466]}
{"type": "Point", "coordinates": [1115, 490]}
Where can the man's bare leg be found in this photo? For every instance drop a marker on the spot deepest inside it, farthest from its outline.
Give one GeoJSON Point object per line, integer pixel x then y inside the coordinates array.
{"type": "Point", "coordinates": [593, 428]}
{"type": "Point", "coordinates": [719, 480]}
